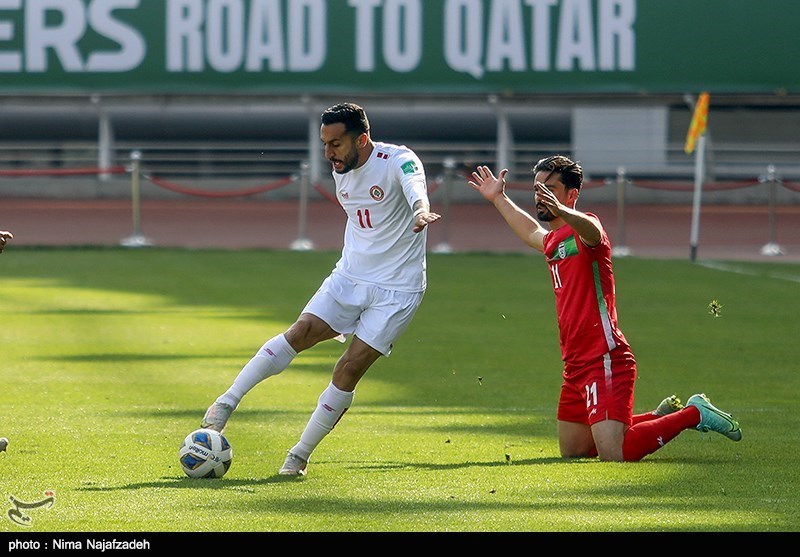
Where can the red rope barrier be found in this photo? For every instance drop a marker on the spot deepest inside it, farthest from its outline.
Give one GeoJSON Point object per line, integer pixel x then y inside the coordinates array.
{"type": "Point", "coordinates": [689, 186]}
{"type": "Point", "coordinates": [332, 197]}
{"type": "Point", "coordinates": [329, 196]}
{"type": "Point", "coordinates": [202, 193]}
{"type": "Point", "coordinates": [62, 171]}
{"type": "Point", "coordinates": [85, 171]}
{"type": "Point", "coordinates": [528, 186]}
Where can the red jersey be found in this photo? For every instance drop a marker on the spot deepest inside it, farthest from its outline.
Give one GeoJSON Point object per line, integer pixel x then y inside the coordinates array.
{"type": "Point", "coordinates": [583, 282]}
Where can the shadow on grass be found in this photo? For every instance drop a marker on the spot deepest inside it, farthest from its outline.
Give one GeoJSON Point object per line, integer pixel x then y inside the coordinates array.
{"type": "Point", "coordinates": [198, 483]}
{"type": "Point", "coordinates": [228, 483]}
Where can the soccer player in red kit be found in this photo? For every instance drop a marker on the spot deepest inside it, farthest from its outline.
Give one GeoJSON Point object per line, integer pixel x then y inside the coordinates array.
{"type": "Point", "coordinates": [595, 409]}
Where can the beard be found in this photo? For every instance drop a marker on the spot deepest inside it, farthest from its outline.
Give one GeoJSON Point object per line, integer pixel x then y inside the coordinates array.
{"type": "Point", "coordinates": [544, 214]}
{"type": "Point", "coordinates": [349, 162]}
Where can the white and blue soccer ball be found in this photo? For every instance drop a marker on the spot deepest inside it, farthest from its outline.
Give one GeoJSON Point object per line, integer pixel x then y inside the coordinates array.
{"type": "Point", "coordinates": [205, 453]}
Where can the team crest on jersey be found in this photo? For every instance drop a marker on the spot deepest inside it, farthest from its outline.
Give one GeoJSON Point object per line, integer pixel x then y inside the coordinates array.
{"type": "Point", "coordinates": [409, 168]}
{"type": "Point", "coordinates": [376, 193]}
{"type": "Point", "coordinates": [562, 250]}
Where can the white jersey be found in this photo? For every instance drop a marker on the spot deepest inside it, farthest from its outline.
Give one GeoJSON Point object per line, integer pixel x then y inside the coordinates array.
{"type": "Point", "coordinates": [380, 246]}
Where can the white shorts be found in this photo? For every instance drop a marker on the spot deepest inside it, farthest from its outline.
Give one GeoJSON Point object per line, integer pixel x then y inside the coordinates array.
{"type": "Point", "coordinates": [376, 315]}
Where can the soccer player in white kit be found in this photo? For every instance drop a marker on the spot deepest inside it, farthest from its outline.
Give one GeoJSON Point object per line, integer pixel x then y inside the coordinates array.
{"type": "Point", "coordinates": [373, 291]}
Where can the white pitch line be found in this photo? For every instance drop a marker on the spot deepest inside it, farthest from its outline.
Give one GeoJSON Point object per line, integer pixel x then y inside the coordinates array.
{"type": "Point", "coordinates": [731, 268]}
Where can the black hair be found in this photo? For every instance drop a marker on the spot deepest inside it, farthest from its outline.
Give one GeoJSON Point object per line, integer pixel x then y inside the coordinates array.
{"type": "Point", "coordinates": [569, 171]}
{"type": "Point", "coordinates": [351, 115]}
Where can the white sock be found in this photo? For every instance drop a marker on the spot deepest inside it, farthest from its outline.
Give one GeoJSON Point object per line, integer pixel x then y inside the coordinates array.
{"type": "Point", "coordinates": [271, 359]}
{"type": "Point", "coordinates": [332, 405]}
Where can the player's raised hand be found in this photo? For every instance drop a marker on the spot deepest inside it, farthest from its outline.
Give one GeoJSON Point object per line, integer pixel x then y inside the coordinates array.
{"type": "Point", "coordinates": [424, 219]}
{"type": "Point", "coordinates": [547, 199]}
{"type": "Point", "coordinates": [489, 186]}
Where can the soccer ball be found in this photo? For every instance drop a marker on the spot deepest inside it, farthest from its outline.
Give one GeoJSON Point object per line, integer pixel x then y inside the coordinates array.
{"type": "Point", "coordinates": [205, 453]}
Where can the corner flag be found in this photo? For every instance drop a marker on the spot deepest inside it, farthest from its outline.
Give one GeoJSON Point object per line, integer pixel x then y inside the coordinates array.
{"type": "Point", "coordinates": [698, 125]}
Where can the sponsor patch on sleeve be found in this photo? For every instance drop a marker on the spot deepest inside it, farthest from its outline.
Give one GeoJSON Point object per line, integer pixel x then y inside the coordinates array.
{"type": "Point", "coordinates": [409, 168]}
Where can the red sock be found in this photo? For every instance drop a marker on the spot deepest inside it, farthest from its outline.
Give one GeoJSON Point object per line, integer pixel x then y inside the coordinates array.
{"type": "Point", "coordinates": [650, 434]}
{"type": "Point", "coordinates": [638, 418]}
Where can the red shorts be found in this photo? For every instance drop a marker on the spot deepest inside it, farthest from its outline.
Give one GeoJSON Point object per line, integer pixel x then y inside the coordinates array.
{"type": "Point", "coordinates": [600, 390]}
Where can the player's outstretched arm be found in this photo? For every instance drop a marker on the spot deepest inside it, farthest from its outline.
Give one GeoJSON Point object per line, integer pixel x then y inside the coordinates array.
{"type": "Point", "coordinates": [423, 219]}
{"type": "Point", "coordinates": [423, 215]}
{"type": "Point", "coordinates": [489, 186]}
{"type": "Point", "coordinates": [522, 223]}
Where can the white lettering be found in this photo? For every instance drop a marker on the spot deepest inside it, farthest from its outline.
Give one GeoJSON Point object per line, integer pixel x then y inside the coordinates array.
{"type": "Point", "coordinates": [132, 44]}
{"type": "Point", "coordinates": [227, 36]}
{"type": "Point", "coordinates": [365, 34]}
{"type": "Point", "coordinates": [184, 36]}
{"type": "Point", "coordinates": [307, 35]}
{"type": "Point", "coordinates": [104, 545]}
{"type": "Point", "coordinates": [61, 37]}
{"type": "Point", "coordinates": [265, 37]}
{"type": "Point", "coordinates": [475, 44]}
{"type": "Point", "coordinates": [225, 40]}
{"type": "Point", "coordinates": [9, 61]}
{"type": "Point", "coordinates": [402, 34]}
{"type": "Point", "coordinates": [615, 24]}
{"type": "Point", "coordinates": [505, 36]}
{"type": "Point", "coordinates": [14, 545]}
{"type": "Point", "coordinates": [463, 36]}
{"type": "Point", "coordinates": [67, 544]}
{"type": "Point", "coordinates": [540, 29]}
{"type": "Point", "coordinates": [575, 36]}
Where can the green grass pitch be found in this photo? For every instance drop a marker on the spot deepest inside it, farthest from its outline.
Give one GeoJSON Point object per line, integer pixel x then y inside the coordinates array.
{"type": "Point", "coordinates": [109, 357]}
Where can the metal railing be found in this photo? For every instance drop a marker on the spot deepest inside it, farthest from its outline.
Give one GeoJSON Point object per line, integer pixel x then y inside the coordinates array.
{"type": "Point", "coordinates": [251, 159]}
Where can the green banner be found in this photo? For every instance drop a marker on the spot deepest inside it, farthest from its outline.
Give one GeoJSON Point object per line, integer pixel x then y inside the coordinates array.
{"type": "Point", "coordinates": [397, 46]}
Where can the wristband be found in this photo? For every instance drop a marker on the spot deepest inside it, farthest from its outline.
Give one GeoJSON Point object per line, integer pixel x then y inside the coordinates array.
{"type": "Point", "coordinates": [418, 212]}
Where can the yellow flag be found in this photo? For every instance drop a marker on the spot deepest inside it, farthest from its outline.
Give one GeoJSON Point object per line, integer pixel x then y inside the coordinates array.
{"type": "Point", "coordinates": [698, 125]}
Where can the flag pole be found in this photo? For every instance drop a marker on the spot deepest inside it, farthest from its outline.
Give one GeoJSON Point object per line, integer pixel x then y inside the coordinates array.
{"type": "Point", "coordinates": [696, 135]}
{"type": "Point", "coordinates": [699, 172]}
